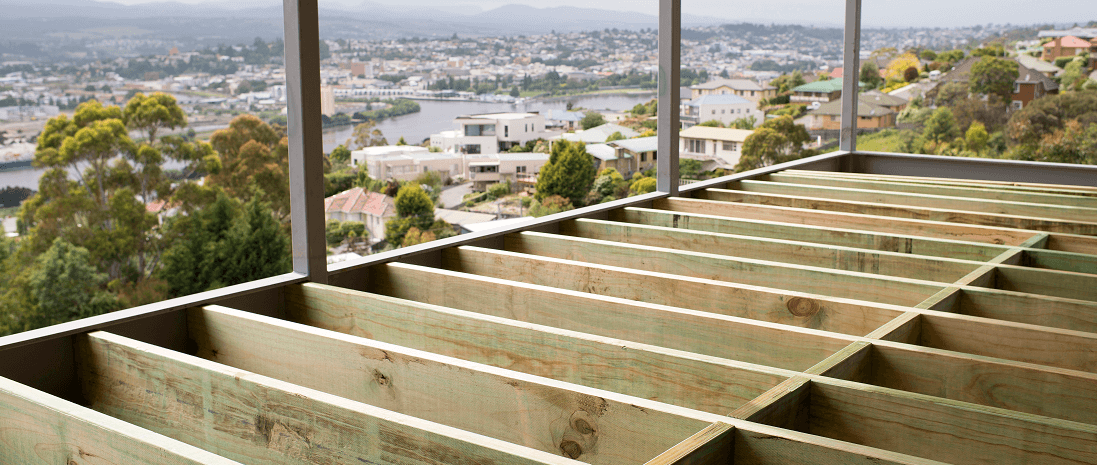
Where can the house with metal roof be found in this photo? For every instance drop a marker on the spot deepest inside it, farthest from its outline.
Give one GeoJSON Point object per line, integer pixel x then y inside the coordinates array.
{"type": "Point", "coordinates": [828, 116]}
{"type": "Point", "coordinates": [644, 151]}
{"type": "Point", "coordinates": [744, 88]}
{"type": "Point", "coordinates": [818, 91]}
{"type": "Point", "coordinates": [722, 108]}
{"type": "Point", "coordinates": [714, 147]}
{"type": "Point", "coordinates": [598, 134]}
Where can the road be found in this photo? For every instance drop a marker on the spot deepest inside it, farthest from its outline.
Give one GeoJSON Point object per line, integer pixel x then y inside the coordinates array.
{"type": "Point", "coordinates": [452, 196]}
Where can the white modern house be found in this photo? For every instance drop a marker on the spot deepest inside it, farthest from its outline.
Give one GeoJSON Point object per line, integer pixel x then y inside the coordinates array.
{"type": "Point", "coordinates": [714, 147]}
{"type": "Point", "coordinates": [406, 162]}
{"type": "Point", "coordinates": [598, 134]}
{"type": "Point", "coordinates": [491, 133]}
{"type": "Point", "coordinates": [486, 169]}
{"type": "Point", "coordinates": [723, 108]}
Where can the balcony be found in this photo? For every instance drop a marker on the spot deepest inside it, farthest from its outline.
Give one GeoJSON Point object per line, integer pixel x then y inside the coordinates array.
{"type": "Point", "coordinates": [852, 307]}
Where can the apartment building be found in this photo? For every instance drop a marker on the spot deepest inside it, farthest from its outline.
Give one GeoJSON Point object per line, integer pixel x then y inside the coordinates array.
{"type": "Point", "coordinates": [747, 89]}
{"type": "Point", "coordinates": [406, 162]}
{"type": "Point", "coordinates": [722, 108]}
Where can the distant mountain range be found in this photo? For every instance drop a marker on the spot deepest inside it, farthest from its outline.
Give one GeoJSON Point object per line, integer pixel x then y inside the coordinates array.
{"type": "Point", "coordinates": [23, 19]}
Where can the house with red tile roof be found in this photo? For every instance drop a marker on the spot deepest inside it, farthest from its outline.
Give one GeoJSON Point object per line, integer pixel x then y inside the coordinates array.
{"type": "Point", "coordinates": [1067, 46]}
{"type": "Point", "coordinates": [357, 204]}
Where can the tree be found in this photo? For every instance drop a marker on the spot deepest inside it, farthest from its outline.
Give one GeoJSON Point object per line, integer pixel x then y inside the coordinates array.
{"type": "Point", "coordinates": [643, 186]}
{"type": "Point", "coordinates": [689, 168]}
{"type": "Point", "coordinates": [592, 119]}
{"type": "Point", "coordinates": [367, 135]}
{"type": "Point", "coordinates": [928, 55]}
{"type": "Point", "coordinates": [569, 172]}
{"type": "Point", "coordinates": [1047, 117]}
{"type": "Point", "coordinates": [993, 76]}
{"type": "Point", "coordinates": [340, 154]}
{"type": "Point", "coordinates": [514, 92]}
{"type": "Point", "coordinates": [775, 141]}
{"type": "Point", "coordinates": [152, 113]}
{"type": "Point", "coordinates": [1074, 74]}
{"type": "Point", "coordinates": [401, 141]}
{"type": "Point", "coordinates": [976, 137]}
{"type": "Point", "coordinates": [951, 56]}
{"type": "Point", "coordinates": [870, 74]}
{"type": "Point", "coordinates": [615, 136]}
{"type": "Point", "coordinates": [712, 123]}
{"type": "Point", "coordinates": [898, 66]}
{"type": "Point", "coordinates": [941, 126]}
{"type": "Point", "coordinates": [65, 286]}
{"type": "Point", "coordinates": [744, 123]}
{"type": "Point", "coordinates": [414, 209]}
{"type": "Point", "coordinates": [550, 205]}
{"type": "Point", "coordinates": [223, 244]}
{"type": "Point", "coordinates": [911, 74]}
{"type": "Point", "coordinates": [253, 156]}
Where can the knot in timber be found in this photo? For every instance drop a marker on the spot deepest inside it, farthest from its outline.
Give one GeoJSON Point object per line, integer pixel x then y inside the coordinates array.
{"type": "Point", "coordinates": [583, 427]}
{"type": "Point", "coordinates": [380, 378]}
{"type": "Point", "coordinates": [571, 449]}
{"type": "Point", "coordinates": [801, 306]}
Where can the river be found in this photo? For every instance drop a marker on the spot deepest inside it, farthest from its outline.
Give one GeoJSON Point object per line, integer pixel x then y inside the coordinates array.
{"type": "Point", "coordinates": [433, 116]}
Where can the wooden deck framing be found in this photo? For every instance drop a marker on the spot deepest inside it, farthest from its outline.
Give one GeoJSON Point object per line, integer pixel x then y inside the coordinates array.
{"type": "Point", "coordinates": [794, 317]}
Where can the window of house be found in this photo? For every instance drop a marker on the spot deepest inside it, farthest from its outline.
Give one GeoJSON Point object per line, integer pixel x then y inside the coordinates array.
{"type": "Point", "coordinates": [729, 146]}
{"type": "Point", "coordinates": [506, 131]}
{"type": "Point", "coordinates": [714, 111]}
{"type": "Point", "coordinates": [472, 130]}
{"type": "Point", "coordinates": [1017, 104]}
{"type": "Point", "coordinates": [752, 93]}
{"type": "Point", "coordinates": [520, 169]}
{"type": "Point", "coordinates": [695, 146]}
{"type": "Point", "coordinates": [1016, 87]}
{"type": "Point", "coordinates": [471, 148]}
{"type": "Point", "coordinates": [723, 111]}
{"type": "Point", "coordinates": [643, 157]}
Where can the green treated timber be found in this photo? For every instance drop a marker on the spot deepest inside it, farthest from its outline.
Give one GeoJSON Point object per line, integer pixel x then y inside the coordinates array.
{"type": "Point", "coordinates": [1062, 261]}
{"type": "Point", "coordinates": [766, 448]}
{"type": "Point", "coordinates": [1068, 285]}
{"type": "Point", "coordinates": [814, 280]}
{"type": "Point", "coordinates": [861, 239]}
{"type": "Point", "coordinates": [945, 190]}
{"type": "Point", "coordinates": [945, 430]}
{"type": "Point", "coordinates": [681, 329]}
{"type": "Point", "coordinates": [901, 211]}
{"type": "Point", "coordinates": [675, 377]}
{"type": "Point", "coordinates": [256, 419]}
{"type": "Point", "coordinates": [38, 428]}
{"type": "Point", "coordinates": [754, 302]}
{"type": "Point", "coordinates": [1064, 189]}
{"type": "Point", "coordinates": [833, 219]}
{"type": "Point", "coordinates": [1010, 306]}
{"type": "Point", "coordinates": [714, 445]}
{"type": "Point", "coordinates": [1049, 346]}
{"type": "Point", "coordinates": [995, 382]}
{"type": "Point", "coordinates": [787, 251]}
{"type": "Point", "coordinates": [964, 204]}
{"type": "Point", "coordinates": [591, 425]}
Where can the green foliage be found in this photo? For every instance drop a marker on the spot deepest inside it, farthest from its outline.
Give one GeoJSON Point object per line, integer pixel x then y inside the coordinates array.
{"type": "Point", "coordinates": [645, 109]}
{"type": "Point", "coordinates": [928, 55]}
{"type": "Point", "coordinates": [976, 137]}
{"type": "Point", "coordinates": [1062, 62]}
{"type": "Point", "coordinates": [1074, 74]}
{"type": "Point", "coordinates": [340, 154]}
{"type": "Point", "coordinates": [790, 110]}
{"type": "Point", "coordinates": [609, 183]}
{"type": "Point", "coordinates": [941, 126]}
{"type": "Point", "coordinates": [870, 74]}
{"type": "Point", "coordinates": [333, 232]}
{"type": "Point", "coordinates": [951, 56]}
{"type": "Point", "coordinates": [744, 123]}
{"type": "Point", "coordinates": [367, 135]}
{"type": "Point", "coordinates": [65, 287]}
{"type": "Point", "coordinates": [910, 74]}
{"type": "Point", "coordinates": [401, 141]}
{"type": "Point", "coordinates": [689, 168]}
{"type": "Point", "coordinates": [592, 119]}
{"type": "Point", "coordinates": [993, 76]}
{"type": "Point", "coordinates": [253, 156]}
{"type": "Point", "coordinates": [550, 205]}
{"type": "Point", "coordinates": [1054, 128]}
{"type": "Point", "coordinates": [615, 136]}
{"type": "Point", "coordinates": [786, 82]}
{"type": "Point", "coordinates": [569, 172]}
{"type": "Point", "coordinates": [499, 190]}
{"type": "Point", "coordinates": [775, 141]}
{"type": "Point", "coordinates": [712, 123]}
{"type": "Point", "coordinates": [225, 244]}
{"type": "Point", "coordinates": [643, 186]}
{"type": "Point", "coordinates": [414, 209]}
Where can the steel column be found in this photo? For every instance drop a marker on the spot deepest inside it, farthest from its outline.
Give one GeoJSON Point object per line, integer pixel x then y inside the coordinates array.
{"type": "Point", "coordinates": [851, 76]}
{"type": "Point", "coordinates": [670, 71]}
{"type": "Point", "coordinates": [306, 148]}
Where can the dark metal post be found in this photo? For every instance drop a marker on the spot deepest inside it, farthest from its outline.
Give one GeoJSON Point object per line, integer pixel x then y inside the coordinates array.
{"type": "Point", "coordinates": [851, 76]}
{"type": "Point", "coordinates": [670, 70]}
{"type": "Point", "coordinates": [306, 148]}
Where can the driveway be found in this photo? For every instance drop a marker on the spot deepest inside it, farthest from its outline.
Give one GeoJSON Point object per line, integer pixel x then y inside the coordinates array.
{"type": "Point", "coordinates": [452, 196]}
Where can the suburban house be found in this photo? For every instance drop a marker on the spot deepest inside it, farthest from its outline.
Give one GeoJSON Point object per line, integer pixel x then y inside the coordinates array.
{"type": "Point", "coordinates": [747, 89]}
{"type": "Point", "coordinates": [462, 219]}
{"type": "Point", "coordinates": [891, 102]}
{"type": "Point", "coordinates": [406, 162]}
{"type": "Point", "coordinates": [1037, 64]}
{"type": "Point", "coordinates": [642, 150]}
{"type": "Point", "coordinates": [723, 108]}
{"type": "Point", "coordinates": [714, 147]}
{"type": "Point", "coordinates": [818, 91]}
{"type": "Point", "coordinates": [487, 169]}
{"type": "Point", "coordinates": [829, 116]}
{"type": "Point", "coordinates": [491, 133]}
{"type": "Point", "coordinates": [1030, 84]}
{"type": "Point", "coordinates": [598, 134]}
{"type": "Point", "coordinates": [607, 156]}
{"type": "Point", "coordinates": [357, 204]}
{"type": "Point", "coordinates": [1067, 46]}
{"type": "Point", "coordinates": [564, 120]}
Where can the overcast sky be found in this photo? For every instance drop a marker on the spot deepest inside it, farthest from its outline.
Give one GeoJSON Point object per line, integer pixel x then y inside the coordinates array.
{"type": "Point", "coordinates": [888, 13]}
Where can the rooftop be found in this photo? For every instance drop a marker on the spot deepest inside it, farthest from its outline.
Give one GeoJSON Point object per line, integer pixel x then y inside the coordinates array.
{"type": "Point", "coordinates": [724, 99]}
{"type": "Point", "coordinates": [825, 87]}
{"type": "Point", "coordinates": [640, 144]}
{"type": "Point", "coordinates": [737, 84]}
{"type": "Point", "coordinates": [721, 134]}
{"type": "Point", "coordinates": [358, 200]}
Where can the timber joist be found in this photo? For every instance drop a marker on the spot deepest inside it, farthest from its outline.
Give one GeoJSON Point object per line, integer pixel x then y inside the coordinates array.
{"type": "Point", "coordinates": [794, 317]}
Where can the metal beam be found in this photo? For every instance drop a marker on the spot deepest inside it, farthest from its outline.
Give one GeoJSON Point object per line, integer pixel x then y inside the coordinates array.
{"type": "Point", "coordinates": [670, 70]}
{"type": "Point", "coordinates": [306, 148]}
{"type": "Point", "coordinates": [851, 75]}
